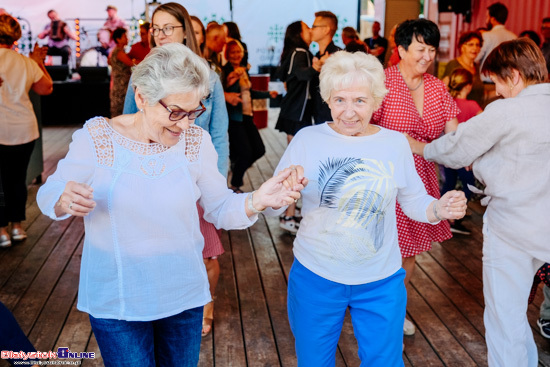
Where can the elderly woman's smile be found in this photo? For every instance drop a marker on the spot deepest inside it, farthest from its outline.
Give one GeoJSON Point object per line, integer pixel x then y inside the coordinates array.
{"type": "Point", "coordinates": [158, 126]}
{"type": "Point", "coordinates": [351, 110]}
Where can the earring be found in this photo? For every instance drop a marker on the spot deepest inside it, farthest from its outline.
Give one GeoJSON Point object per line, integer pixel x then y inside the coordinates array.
{"type": "Point", "coordinates": [141, 110]}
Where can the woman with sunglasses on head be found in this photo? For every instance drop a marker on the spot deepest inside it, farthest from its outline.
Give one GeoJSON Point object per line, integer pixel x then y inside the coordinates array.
{"type": "Point", "coordinates": [136, 180]}
{"type": "Point", "coordinates": [171, 23]}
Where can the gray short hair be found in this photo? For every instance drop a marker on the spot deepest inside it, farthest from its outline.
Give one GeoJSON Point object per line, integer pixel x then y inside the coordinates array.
{"type": "Point", "coordinates": [343, 69]}
{"type": "Point", "coordinates": [171, 69]}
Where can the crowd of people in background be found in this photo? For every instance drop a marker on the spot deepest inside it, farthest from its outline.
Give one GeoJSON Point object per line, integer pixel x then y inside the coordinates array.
{"type": "Point", "coordinates": [350, 117]}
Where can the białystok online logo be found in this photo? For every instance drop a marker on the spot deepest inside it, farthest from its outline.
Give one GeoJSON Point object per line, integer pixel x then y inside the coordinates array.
{"type": "Point", "coordinates": [62, 353]}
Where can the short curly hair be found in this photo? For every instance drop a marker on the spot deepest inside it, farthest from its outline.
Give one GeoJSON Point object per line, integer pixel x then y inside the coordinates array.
{"type": "Point", "coordinates": [171, 69]}
{"type": "Point", "coordinates": [343, 69]}
{"type": "Point", "coordinates": [10, 30]}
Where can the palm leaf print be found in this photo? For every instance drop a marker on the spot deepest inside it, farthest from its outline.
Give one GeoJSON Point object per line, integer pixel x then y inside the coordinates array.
{"type": "Point", "coordinates": [332, 177]}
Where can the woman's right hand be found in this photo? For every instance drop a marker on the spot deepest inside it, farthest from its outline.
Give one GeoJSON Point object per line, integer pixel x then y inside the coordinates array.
{"type": "Point", "coordinates": [38, 53]}
{"type": "Point", "coordinates": [76, 199]}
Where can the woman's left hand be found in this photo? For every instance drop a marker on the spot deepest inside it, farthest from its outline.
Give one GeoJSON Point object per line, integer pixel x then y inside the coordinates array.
{"type": "Point", "coordinates": [452, 205]}
{"type": "Point", "coordinates": [280, 190]}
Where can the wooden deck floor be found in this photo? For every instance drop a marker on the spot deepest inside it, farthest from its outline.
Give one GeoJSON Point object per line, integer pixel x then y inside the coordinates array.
{"type": "Point", "coordinates": [39, 281]}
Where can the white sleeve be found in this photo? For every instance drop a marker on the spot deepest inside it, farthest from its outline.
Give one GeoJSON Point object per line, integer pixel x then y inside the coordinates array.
{"type": "Point", "coordinates": [222, 207]}
{"type": "Point", "coordinates": [413, 198]}
{"type": "Point", "coordinates": [78, 165]}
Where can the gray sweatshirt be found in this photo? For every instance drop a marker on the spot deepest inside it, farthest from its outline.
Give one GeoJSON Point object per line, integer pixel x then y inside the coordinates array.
{"type": "Point", "coordinates": [509, 146]}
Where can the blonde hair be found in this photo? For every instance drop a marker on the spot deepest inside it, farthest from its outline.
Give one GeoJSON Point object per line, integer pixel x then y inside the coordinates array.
{"type": "Point", "coordinates": [344, 69]}
{"type": "Point", "coordinates": [10, 30]}
{"type": "Point", "coordinates": [459, 79]}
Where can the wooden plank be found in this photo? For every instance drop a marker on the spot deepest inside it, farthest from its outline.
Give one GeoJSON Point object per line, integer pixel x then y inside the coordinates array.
{"type": "Point", "coordinates": [257, 329]}
{"type": "Point", "coordinates": [32, 302]}
{"type": "Point", "coordinates": [76, 332]}
{"type": "Point", "coordinates": [12, 258]}
{"type": "Point", "coordinates": [227, 331]}
{"type": "Point", "coordinates": [93, 347]}
{"type": "Point", "coordinates": [53, 316]}
{"type": "Point", "coordinates": [13, 290]}
{"type": "Point", "coordinates": [274, 283]}
{"type": "Point", "coordinates": [449, 312]}
{"type": "Point", "coordinates": [418, 348]}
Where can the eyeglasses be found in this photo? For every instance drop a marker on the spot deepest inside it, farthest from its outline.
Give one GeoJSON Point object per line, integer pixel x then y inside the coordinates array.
{"type": "Point", "coordinates": [168, 30]}
{"type": "Point", "coordinates": [176, 115]}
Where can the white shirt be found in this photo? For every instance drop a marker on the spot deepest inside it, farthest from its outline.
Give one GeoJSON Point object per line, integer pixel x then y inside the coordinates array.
{"type": "Point", "coordinates": [142, 257]}
{"type": "Point", "coordinates": [18, 123]}
{"type": "Point", "coordinates": [491, 39]}
{"type": "Point", "coordinates": [348, 233]}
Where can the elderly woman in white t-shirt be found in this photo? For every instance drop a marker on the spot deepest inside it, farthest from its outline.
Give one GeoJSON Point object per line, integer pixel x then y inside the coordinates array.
{"type": "Point", "coordinates": [18, 125]}
{"type": "Point", "coordinates": [136, 180]}
{"type": "Point", "coordinates": [346, 250]}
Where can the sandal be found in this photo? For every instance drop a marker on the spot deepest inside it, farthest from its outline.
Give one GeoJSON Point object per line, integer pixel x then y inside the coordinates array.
{"type": "Point", "coordinates": [207, 318]}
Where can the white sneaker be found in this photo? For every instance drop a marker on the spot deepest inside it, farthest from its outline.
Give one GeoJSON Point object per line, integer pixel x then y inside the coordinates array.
{"type": "Point", "coordinates": [5, 241]}
{"type": "Point", "coordinates": [408, 327]}
{"type": "Point", "coordinates": [289, 224]}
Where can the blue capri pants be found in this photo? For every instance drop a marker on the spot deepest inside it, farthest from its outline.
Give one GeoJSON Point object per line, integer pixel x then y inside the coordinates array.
{"type": "Point", "coordinates": [316, 310]}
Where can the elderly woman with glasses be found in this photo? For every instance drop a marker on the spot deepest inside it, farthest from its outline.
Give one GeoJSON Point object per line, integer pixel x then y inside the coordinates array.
{"type": "Point", "coordinates": [136, 180]}
{"type": "Point", "coordinates": [171, 23]}
{"type": "Point", "coordinates": [346, 249]}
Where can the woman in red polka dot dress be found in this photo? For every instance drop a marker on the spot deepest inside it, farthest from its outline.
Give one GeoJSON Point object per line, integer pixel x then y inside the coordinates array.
{"type": "Point", "coordinates": [417, 104]}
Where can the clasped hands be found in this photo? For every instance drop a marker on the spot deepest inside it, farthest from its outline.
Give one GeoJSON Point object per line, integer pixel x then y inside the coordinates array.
{"type": "Point", "coordinates": [281, 190]}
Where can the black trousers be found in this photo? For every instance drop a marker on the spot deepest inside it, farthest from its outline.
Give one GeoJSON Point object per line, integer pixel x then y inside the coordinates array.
{"type": "Point", "coordinates": [14, 161]}
{"type": "Point", "coordinates": [64, 52]}
{"type": "Point", "coordinates": [245, 147]}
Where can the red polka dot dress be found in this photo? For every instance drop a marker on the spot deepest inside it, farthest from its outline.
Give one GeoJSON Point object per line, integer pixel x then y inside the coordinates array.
{"type": "Point", "coordinates": [398, 112]}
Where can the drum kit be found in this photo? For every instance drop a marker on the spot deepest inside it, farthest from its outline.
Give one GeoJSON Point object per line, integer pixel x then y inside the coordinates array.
{"type": "Point", "coordinates": [97, 55]}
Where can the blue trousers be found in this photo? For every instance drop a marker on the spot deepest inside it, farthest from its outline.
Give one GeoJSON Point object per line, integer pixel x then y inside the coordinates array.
{"type": "Point", "coordinates": [466, 177]}
{"type": "Point", "coordinates": [316, 310]}
{"type": "Point", "coordinates": [172, 341]}
{"type": "Point", "coordinates": [12, 338]}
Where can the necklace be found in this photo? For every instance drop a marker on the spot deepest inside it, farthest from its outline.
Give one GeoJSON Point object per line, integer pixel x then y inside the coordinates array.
{"type": "Point", "coordinates": [411, 89]}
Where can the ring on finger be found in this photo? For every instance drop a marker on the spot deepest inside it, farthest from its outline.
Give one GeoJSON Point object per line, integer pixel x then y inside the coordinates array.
{"type": "Point", "coordinates": [71, 205]}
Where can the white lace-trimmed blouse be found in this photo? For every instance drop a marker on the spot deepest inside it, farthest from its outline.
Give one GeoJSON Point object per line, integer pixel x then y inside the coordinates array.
{"type": "Point", "coordinates": [142, 257]}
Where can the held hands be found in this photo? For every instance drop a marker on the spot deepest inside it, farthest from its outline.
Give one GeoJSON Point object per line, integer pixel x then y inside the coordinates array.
{"type": "Point", "coordinates": [452, 205]}
{"type": "Point", "coordinates": [280, 190]}
{"type": "Point", "coordinates": [76, 199]}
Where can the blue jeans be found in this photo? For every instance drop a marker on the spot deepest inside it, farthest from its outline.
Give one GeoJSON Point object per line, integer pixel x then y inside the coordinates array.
{"type": "Point", "coordinates": [316, 310]}
{"type": "Point", "coordinates": [172, 341]}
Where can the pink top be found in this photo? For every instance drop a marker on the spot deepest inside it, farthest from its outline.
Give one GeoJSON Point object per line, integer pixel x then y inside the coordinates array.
{"type": "Point", "coordinates": [468, 109]}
